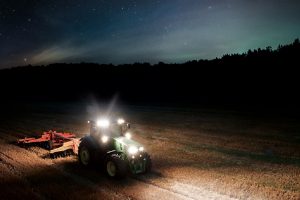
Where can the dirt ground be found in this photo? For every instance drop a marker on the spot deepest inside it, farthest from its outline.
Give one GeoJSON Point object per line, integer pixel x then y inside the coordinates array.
{"type": "Point", "coordinates": [196, 153]}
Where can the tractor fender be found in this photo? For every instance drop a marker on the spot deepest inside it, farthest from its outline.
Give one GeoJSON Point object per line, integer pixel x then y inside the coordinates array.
{"type": "Point", "coordinates": [116, 154]}
{"type": "Point", "coordinates": [90, 140]}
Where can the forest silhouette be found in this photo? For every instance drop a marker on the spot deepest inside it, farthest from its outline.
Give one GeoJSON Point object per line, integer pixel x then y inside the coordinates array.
{"type": "Point", "coordinates": [260, 77]}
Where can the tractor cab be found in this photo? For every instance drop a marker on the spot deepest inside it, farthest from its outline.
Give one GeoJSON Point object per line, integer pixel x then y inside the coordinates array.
{"type": "Point", "coordinates": [104, 129]}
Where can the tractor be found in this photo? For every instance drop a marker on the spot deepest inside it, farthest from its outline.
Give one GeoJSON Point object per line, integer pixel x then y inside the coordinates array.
{"type": "Point", "coordinates": [111, 145]}
{"type": "Point", "coordinates": [107, 144]}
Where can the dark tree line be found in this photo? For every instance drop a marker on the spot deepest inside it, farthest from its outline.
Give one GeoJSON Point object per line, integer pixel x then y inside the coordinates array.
{"type": "Point", "coordinates": [257, 77]}
{"type": "Point", "coordinates": [268, 56]}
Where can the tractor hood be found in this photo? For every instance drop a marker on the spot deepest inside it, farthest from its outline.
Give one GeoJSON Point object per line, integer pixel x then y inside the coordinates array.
{"type": "Point", "coordinates": [127, 142]}
{"type": "Point", "coordinates": [123, 143]}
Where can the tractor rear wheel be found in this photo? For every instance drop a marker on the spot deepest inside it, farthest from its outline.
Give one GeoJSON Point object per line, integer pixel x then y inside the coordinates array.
{"type": "Point", "coordinates": [84, 156]}
{"type": "Point", "coordinates": [115, 166]}
{"type": "Point", "coordinates": [86, 153]}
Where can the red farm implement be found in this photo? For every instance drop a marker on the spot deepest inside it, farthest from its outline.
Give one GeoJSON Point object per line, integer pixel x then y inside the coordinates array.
{"type": "Point", "coordinates": [59, 144]}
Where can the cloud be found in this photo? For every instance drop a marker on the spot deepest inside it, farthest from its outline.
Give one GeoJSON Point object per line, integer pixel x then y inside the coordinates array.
{"type": "Point", "coordinates": [56, 54]}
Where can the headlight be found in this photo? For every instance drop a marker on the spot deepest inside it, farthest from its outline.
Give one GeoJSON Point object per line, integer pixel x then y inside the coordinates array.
{"type": "Point", "coordinates": [104, 138]}
{"type": "Point", "coordinates": [128, 135]}
{"type": "Point", "coordinates": [104, 123]}
{"type": "Point", "coordinates": [121, 121]}
{"type": "Point", "coordinates": [141, 149]}
{"type": "Point", "coordinates": [133, 150]}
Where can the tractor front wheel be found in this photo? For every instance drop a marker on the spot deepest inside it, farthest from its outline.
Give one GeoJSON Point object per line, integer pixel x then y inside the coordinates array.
{"type": "Point", "coordinates": [115, 166]}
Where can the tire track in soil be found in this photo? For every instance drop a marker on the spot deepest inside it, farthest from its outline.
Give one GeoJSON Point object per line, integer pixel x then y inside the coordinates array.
{"type": "Point", "coordinates": [150, 190]}
{"type": "Point", "coordinates": [154, 191]}
{"type": "Point", "coordinates": [158, 194]}
{"type": "Point", "coordinates": [130, 187]}
{"type": "Point", "coordinates": [14, 173]}
{"type": "Point", "coordinates": [24, 169]}
{"type": "Point", "coordinates": [21, 186]}
{"type": "Point", "coordinates": [139, 187]}
{"type": "Point", "coordinates": [186, 190]}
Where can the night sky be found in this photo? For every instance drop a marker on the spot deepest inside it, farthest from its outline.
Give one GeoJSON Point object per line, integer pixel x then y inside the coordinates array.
{"type": "Point", "coordinates": [127, 31]}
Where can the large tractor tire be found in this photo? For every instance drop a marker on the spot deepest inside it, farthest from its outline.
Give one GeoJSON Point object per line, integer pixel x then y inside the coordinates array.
{"type": "Point", "coordinates": [115, 166]}
{"type": "Point", "coordinates": [86, 152]}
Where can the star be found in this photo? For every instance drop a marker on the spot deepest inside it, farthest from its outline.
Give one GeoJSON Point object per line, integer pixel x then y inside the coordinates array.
{"type": "Point", "coordinates": [106, 31]}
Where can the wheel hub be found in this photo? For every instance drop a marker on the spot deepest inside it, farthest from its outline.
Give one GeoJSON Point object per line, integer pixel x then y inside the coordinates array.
{"type": "Point", "coordinates": [85, 156]}
{"type": "Point", "coordinates": [111, 168]}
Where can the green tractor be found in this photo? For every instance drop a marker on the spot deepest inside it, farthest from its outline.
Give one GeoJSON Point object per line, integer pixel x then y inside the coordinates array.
{"type": "Point", "coordinates": [110, 144]}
